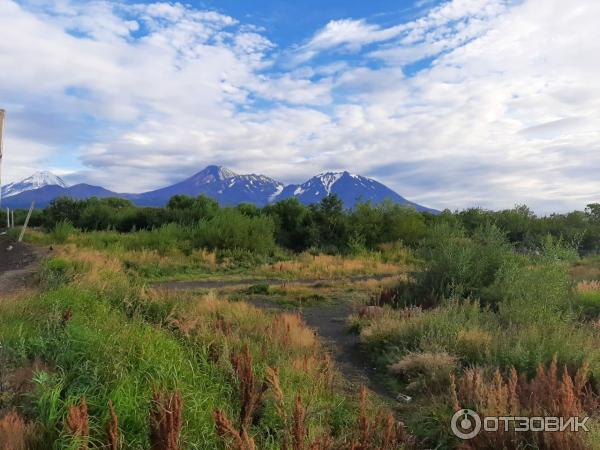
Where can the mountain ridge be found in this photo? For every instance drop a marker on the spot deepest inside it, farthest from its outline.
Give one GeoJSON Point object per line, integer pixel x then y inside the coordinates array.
{"type": "Point", "coordinates": [229, 188]}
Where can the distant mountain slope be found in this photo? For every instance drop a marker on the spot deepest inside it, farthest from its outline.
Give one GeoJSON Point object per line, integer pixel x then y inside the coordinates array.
{"type": "Point", "coordinates": [217, 182]}
{"type": "Point", "coordinates": [348, 187]}
{"type": "Point", "coordinates": [35, 181]}
{"type": "Point", "coordinates": [44, 195]}
{"type": "Point", "coordinates": [229, 188]}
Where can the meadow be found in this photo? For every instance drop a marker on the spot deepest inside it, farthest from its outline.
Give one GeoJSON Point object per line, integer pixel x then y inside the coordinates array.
{"type": "Point", "coordinates": [497, 312]}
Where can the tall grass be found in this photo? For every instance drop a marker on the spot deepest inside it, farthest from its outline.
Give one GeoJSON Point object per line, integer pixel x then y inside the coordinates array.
{"type": "Point", "coordinates": [111, 340]}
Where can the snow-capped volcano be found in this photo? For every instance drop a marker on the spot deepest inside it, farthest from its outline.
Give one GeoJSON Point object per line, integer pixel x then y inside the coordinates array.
{"type": "Point", "coordinates": [348, 187]}
{"type": "Point", "coordinates": [35, 181]}
{"type": "Point", "coordinates": [217, 182]}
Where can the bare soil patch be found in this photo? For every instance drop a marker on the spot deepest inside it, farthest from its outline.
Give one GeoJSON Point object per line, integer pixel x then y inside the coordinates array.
{"type": "Point", "coordinates": [19, 263]}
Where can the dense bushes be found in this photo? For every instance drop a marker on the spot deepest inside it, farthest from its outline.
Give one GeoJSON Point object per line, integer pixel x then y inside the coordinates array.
{"type": "Point", "coordinates": [325, 226]}
{"type": "Point", "coordinates": [461, 265]}
{"type": "Point", "coordinates": [526, 230]}
{"type": "Point", "coordinates": [230, 229]}
{"type": "Point", "coordinates": [480, 304]}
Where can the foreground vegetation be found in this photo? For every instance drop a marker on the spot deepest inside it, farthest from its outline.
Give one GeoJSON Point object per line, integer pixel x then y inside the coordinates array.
{"type": "Point", "coordinates": [485, 317]}
{"type": "Point", "coordinates": [96, 336]}
{"type": "Point", "coordinates": [497, 312]}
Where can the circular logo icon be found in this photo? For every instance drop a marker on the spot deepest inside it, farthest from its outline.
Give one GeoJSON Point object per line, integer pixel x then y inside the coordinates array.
{"type": "Point", "coordinates": [466, 424]}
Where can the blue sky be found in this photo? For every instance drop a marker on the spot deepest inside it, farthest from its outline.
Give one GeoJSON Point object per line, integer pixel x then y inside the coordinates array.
{"type": "Point", "coordinates": [452, 103]}
{"type": "Point", "coordinates": [289, 23]}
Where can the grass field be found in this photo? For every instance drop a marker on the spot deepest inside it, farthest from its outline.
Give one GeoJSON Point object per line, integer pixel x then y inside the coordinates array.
{"type": "Point", "coordinates": [228, 362]}
{"type": "Point", "coordinates": [95, 332]}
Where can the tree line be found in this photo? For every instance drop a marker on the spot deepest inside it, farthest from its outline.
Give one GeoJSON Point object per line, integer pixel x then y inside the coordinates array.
{"type": "Point", "coordinates": [326, 226]}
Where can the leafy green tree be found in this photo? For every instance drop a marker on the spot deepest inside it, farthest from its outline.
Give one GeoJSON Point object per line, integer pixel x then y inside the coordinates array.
{"type": "Point", "coordinates": [178, 202]}
{"type": "Point", "coordinates": [249, 209]}
{"type": "Point", "coordinates": [330, 224]}
{"type": "Point", "coordinates": [292, 222]}
{"type": "Point", "coordinates": [63, 209]}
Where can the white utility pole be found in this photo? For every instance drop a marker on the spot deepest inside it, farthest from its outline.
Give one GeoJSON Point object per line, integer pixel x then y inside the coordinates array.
{"type": "Point", "coordinates": [2, 114]}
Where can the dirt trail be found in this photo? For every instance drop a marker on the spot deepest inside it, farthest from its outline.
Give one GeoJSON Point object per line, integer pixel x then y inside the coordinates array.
{"type": "Point", "coordinates": [216, 284]}
{"type": "Point", "coordinates": [19, 263]}
{"type": "Point", "coordinates": [330, 323]}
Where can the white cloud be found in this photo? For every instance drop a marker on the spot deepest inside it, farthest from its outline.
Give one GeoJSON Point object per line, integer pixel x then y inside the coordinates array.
{"type": "Point", "coordinates": [143, 95]}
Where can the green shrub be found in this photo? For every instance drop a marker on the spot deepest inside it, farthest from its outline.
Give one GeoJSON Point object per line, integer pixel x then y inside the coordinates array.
{"type": "Point", "coordinates": [61, 231]}
{"type": "Point", "coordinates": [230, 229]}
{"type": "Point", "coordinates": [261, 288]}
{"type": "Point", "coordinates": [458, 265]}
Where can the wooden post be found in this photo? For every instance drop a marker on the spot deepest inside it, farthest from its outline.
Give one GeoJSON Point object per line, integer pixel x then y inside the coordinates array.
{"type": "Point", "coordinates": [2, 114]}
{"type": "Point", "coordinates": [26, 221]}
{"type": "Point", "coordinates": [7, 218]}
{"type": "Point", "coordinates": [12, 220]}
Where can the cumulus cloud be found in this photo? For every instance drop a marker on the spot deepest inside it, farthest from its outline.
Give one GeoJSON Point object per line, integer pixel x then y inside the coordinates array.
{"type": "Point", "coordinates": [476, 102]}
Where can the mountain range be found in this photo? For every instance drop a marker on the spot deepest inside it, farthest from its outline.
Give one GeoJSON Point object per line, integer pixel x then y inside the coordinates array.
{"type": "Point", "coordinates": [217, 182]}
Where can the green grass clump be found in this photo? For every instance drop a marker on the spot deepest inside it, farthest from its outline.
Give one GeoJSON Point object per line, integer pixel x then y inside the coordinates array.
{"type": "Point", "coordinates": [588, 303]}
{"type": "Point", "coordinates": [261, 288]}
{"type": "Point", "coordinates": [100, 353]}
{"type": "Point", "coordinates": [61, 231]}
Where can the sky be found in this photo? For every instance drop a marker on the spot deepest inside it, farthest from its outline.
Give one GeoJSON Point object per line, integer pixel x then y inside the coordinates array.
{"type": "Point", "coordinates": [452, 104]}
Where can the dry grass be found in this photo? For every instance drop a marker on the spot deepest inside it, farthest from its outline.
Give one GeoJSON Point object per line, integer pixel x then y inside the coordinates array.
{"type": "Point", "coordinates": [371, 432]}
{"type": "Point", "coordinates": [153, 257]}
{"type": "Point", "coordinates": [290, 329]}
{"type": "Point", "coordinates": [329, 266]}
{"type": "Point", "coordinates": [250, 389]}
{"type": "Point", "coordinates": [586, 269]}
{"type": "Point", "coordinates": [78, 423]}
{"type": "Point", "coordinates": [96, 268]}
{"type": "Point", "coordinates": [476, 343]}
{"type": "Point", "coordinates": [15, 433]}
{"type": "Point", "coordinates": [378, 432]}
{"type": "Point", "coordinates": [380, 285]}
{"type": "Point", "coordinates": [588, 286]}
{"type": "Point", "coordinates": [426, 369]}
{"type": "Point", "coordinates": [165, 421]}
{"type": "Point", "coordinates": [548, 394]}
{"type": "Point", "coordinates": [232, 438]}
{"type": "Point", "coordinates": [112, 429]}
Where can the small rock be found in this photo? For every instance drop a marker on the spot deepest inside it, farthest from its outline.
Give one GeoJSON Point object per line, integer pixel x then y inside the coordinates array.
{"type": "Point", "coordinates": [9, 248]}
{"type": "Point", "coordinates": [404, 398]}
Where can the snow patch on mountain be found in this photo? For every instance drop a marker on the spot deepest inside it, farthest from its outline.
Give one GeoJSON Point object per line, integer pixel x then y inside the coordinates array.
{"type": "Point", "coordinates": [35, 181]}
{"type": "Point", "coordinates": [328, 179]}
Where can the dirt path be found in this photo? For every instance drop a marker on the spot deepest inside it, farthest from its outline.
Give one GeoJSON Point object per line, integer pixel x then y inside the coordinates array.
{"type": "Point", "coordinates": [216, 284]}
{"type": "Point", "coordinates": [330, 323]}
{"type": "Point", "coordinates": [19, 264]}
